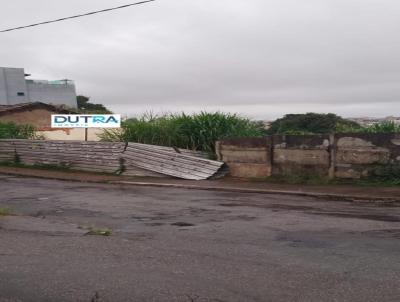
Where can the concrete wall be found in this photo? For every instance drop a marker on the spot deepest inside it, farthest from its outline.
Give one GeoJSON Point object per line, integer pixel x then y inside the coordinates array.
{"type": "Point", "coordinates": [358, 155]}
{"type": "Point", "coordinates": [341, 155]}
{"type": "Point", "coordinates": [301, 155]}
{"type": "Point", "coordinates": [246, 157]}
{"type": "Point", "coordinates": [56, 94]}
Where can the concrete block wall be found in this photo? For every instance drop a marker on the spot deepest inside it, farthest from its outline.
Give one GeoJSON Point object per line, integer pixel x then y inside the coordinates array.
{"type": "Point", "coordinates": [340, 155]}
{"type": "Point", "coordinates": [246, 157]}
{"type": "Point", "coordinates": [358, 155]}
{"type": "Point", "coordinates": [301, 155]}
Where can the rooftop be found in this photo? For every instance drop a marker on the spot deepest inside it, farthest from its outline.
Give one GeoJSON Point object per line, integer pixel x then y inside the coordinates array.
{"type": "Point", "coordinates": [6, 109]}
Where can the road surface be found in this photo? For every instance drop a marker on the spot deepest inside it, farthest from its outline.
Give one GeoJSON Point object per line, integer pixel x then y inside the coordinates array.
{"type": "Point", "coordinates": [188, 245]}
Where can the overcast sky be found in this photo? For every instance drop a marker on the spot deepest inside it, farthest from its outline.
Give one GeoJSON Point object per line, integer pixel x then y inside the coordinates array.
{"type": "Point", "coordinates": [260, 58]}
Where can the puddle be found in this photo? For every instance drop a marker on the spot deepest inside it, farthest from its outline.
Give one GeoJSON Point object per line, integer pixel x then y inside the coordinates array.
{"type": "Point", "coordinates": [154, 224]}
{"type": "Point", "coordinates": [182, 224]}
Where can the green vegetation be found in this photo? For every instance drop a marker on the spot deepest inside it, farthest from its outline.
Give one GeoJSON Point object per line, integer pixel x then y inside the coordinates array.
{"type": "Point", "coordinates": [97, 232]}
{"type": "Point", "coordinates": [383, 177]}
{"type": "Point", "coordinates": [11, 130]}
{"type": "Point", "coordinates": [384, 127]}
{"type": "Point", "coordinates": [310, 123]}
{"type": "Point", "coordinates": [195, 132]}
{"type": "Point", "coordinates": [16, 163]}
{"type": "Point", "coordinates": [389, 174]}
{"type": "Point", "coordinates": [6, 212]}
{"type": "Point", "coordinates": [315, 123]}
{"type": "Point", "coordinates": [84, 106]}
{"type": "Point", "coordinates": [55, 167]}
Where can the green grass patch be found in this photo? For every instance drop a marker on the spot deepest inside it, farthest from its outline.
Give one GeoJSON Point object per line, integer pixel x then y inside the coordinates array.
{"type": "Point", "coordinates": [316, 180]}
{"type": "Point", "coordinates": [10, 130]}
{"type": "Point", "coordinates": [60, 168]}
{"type": "Point", "coordinates": [14, 164]}
{"type": "Point", "coordinates": [297, 179]}
{"type": "Point", "coordinates": [6, 212]}
{"type": "Point", "coordinates": [93, 231]}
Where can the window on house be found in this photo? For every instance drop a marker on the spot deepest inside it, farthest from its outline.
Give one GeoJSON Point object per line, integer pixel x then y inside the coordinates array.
{"type": "Point", "coordinates": [20, 93]}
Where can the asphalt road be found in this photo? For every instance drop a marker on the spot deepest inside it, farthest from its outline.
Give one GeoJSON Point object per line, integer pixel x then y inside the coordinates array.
{"type": "Point", "coordinates": [188, 245]}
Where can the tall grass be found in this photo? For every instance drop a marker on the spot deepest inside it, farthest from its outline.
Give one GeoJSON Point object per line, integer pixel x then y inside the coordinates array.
{"type": "Point", "coordinates": [11, 130]}
{"type": "Point", "coordinates": [195, 132]}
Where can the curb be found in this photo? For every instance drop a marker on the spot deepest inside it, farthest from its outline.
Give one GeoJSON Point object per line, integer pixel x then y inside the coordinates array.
{"type": "Point", "coordinates": [341, 197]}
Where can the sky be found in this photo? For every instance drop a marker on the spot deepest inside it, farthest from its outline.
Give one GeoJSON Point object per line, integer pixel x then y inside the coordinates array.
{"type": "Point", "coordinates": [257, 58]}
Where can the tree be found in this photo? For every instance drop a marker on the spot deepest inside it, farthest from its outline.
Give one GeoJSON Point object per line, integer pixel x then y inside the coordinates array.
{"type": "Point", "coordinates": [84, 106]}
{"type": "Point", "coordinates": [310, 123]}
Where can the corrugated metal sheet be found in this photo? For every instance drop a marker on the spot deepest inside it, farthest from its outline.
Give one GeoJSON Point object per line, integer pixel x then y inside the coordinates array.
{"type": "Point", "coordinates": [160, 160]}
{"type": "Point", "coordinates": [183, 151]}
{"type": "Point", "coordinates": [76, 155]}
{"type": "Point", "coordinates": [132, 159]}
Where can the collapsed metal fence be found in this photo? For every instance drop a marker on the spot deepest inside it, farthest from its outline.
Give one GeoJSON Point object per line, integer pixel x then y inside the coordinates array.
{"type": "Point", "coordinates": [130, 159]}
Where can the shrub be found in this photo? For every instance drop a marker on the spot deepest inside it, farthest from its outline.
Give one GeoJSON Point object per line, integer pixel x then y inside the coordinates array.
{"type": "Point", "coordinates": [309, 123]}
{"type": "Point", "coordinates": [384, 127]}
{"type": "Point", "coordinates": [11, 130]}
{"type": "Point", "coordinates": [315, 123]}
{"type": "Point", "coordinates": [388, 173]}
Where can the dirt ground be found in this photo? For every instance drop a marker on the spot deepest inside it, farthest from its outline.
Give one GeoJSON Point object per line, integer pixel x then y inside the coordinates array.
{"type": "Point", "coordinates": [169, 244]}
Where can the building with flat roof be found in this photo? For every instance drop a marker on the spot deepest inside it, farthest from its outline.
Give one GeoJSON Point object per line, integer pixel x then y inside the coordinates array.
{"type": "Point", "coordinates": [16, 89]}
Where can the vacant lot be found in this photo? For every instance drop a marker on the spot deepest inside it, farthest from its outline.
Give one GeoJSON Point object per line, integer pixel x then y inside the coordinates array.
{"type": "Point", "coordinates": [187, 245]}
